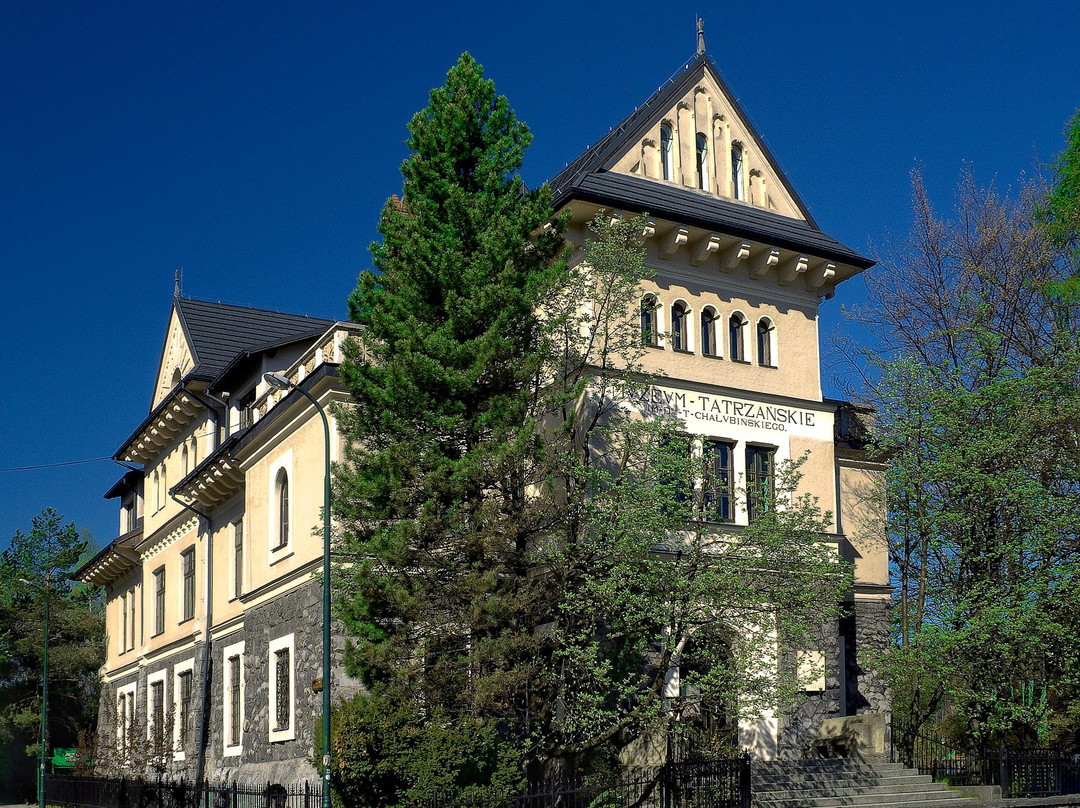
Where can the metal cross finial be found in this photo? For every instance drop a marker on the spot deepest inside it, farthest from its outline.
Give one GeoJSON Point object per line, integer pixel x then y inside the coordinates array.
{"type": "Point", "coordinates": [700, 36]}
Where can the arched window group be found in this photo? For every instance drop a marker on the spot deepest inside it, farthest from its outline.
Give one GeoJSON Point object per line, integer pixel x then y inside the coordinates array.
{"type": "Point", "coordinates": [281, 496]}
{"type": "Point", "coordinates": [709, 335]}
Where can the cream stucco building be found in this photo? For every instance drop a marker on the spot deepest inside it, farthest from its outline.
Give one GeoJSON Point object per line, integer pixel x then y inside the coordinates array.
{"type": "Point", "coordinates": [213, 608]}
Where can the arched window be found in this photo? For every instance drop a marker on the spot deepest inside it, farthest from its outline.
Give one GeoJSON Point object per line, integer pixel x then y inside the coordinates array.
{"type": "Point", "coordinates": [708, 332]}
{"type": "Point", "coordinates": [666, 165]}
{"type": "Point", "coordinates": [281, 494]}
{"type": "Point", "coordinates": [738, 182]}
{"type": "Point", "coordinates": [194, 452]}
{"type": "Point", "coordinates": [648, 320]}
{"type": "Point", "coordinates": [702, 162]}
{"type": "Point", "coordinates": [164, 487]}
{"type": "Point", "coordinates": [766, 355]}
{"type": "Point", "coordinates": [736, 328]}
{"type": "Point", "coordinates": [679, 329]}
{"type": "Point", "coordinates": [176, 377]}
{"type": "Point", "coordinates": [157, 491]}
{"type": "Point", "coordinates": [184, 462]}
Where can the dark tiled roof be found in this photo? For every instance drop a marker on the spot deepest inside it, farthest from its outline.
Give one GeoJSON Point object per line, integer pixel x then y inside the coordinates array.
{"type": "Point", "coordinates": [589, 178]}
{"type": "Point", "coordinates": [218, 332]}
{"type": "Point", "coordinates": [713, 213]}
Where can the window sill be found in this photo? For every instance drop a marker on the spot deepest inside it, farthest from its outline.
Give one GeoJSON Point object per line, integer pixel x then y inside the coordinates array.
{"type": "Point", "coordinates": [157, 634]}
{"type": "Point", "coordinates": [283, 553]}
{"type": "Point", "coordinates": [233, 751]}
{"type": "Point", "coordinates": [741, 361]}
{"type": "Point", "coordinates": [186, 620]}
{"type": "Point", "coordinates": [281, 736]}
{"type": "Point", "coordinates": [711, 356]}
{"type": "Point", "coordinates": [770, 367]}
{"type": "Point", "coordinates": [683, 351]}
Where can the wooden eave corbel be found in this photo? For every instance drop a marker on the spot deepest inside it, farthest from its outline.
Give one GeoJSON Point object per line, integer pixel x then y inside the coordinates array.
{"type": "Point", "coordinates": [822, 273]}
{"type": "Point", "coordinates": [764, 261]}
{"type": "Point", "coordinates": [673, 241]}
{"type": "Point", "coordinates": [706, 248]}
{"type": "Point", "coordinates": [792, 268]}
{"type": "Point", "coordinates": [739, 251]}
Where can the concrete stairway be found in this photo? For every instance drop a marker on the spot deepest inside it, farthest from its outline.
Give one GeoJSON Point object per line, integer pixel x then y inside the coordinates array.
{"type": "Point", "coordinates": [838, 782]}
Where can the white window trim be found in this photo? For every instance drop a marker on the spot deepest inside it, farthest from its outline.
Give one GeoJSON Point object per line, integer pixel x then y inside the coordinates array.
{"type": "Point", "coordinates": [238, 586]}
{"type": "Point", "coordinates": [151, 680]}
{"type": "Point", "coordinates": [271, 667]}
{"type": "Point", "coordinates": [771, 331]}
{"type": "Point", "coordinates": [283, 462]}
{"type": "Point", "coordinates": [236, 649]}
{"type": "Point", "coordinates": [125, 692]}
{"type": "Point", "coordinates": [181, 616]}
{"type": "Point", "coordinates": [718, 324]}
{"type": "Point", "coordinates": [183, 667]}
{"type": "Point", "coordinates": [689, 318]}
{"type": "Point", "coordinates": [744, 343]}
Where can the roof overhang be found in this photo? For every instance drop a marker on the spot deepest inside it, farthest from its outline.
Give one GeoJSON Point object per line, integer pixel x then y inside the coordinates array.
{"type": "Point", "coordinates": [112, 562]}
{"type": "Point", "coordinates": [161, 427]}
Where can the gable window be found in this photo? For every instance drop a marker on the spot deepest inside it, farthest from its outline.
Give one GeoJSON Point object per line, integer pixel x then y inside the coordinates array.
{"type": "Point", "coordinates": [131, 620]}
{"type": "Point", "coordinates": [184, 461]}
{"type": "Point", "coordinates": [736, 335]}
{"type": "Point", "coordinates": [238, 558]}
{"type": "Point", "coordinates": [766, 332]}
{"type": "Point", "coordinates": [282, 687]}
{"type": "Point", "coordinates": [159, 600]}
{"type": "Point", "coordinates": [667, 167]}
{"type": "Point", "coordinates": [708, 332]}
{"type": "Point", "coordinates": [648, 320]}
{"type": "Point", "coordinates": [759, 480]}
{"type": "Point", "coordinates": [157, 491]}
{"type": "Point", "coordinates": [738, 179]}
{"type": "Point", "coordinates": [679, 317]}
{"type": "Point", "coordinates": [702, 161]}
{"type": "Point", "coordinates": [188, 602]}
{"type": "Point", "coordinates": [281, 493]}
{"type": "Point", "coordinates": [719, 477]}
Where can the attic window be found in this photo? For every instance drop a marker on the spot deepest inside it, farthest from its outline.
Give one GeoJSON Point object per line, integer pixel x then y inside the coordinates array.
{"type": "Point", "coordinates": [176, 377]}
{"type": "Point", "coordinates": [702, 162]}
{"type": "Point", "coordinates": [738, 182]}
{"type": "Point", "coordinates": [666, 168]}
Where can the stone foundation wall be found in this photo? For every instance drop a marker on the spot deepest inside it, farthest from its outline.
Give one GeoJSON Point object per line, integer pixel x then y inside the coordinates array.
{"type": "Point", "coordinates": [866, 630]}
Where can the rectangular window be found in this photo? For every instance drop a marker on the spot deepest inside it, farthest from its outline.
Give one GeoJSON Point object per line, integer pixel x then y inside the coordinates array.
{"type": "Point", "coordinates": [157, 713]}
{"type": "Point", "coordinates": [234, 700]}
{"type": "Point", "coordinates": [283, 675]}
{"type": "Point", "coordinates": [718, 483]}
{"type": "Point", "coordinates": [123, 622]}
{"type": "Point", "coordinates": [238, 559]}
{"type": "Point", "coordinates": [188, 557]}
{"type": "Point", "coordinates": [159, 600]}
{"type": "Point", "coordinates": [183, 712]}
{"type": "Point", "coordinates": [131, 619]}
{"type": "Point", "coordinates": [759, 480]}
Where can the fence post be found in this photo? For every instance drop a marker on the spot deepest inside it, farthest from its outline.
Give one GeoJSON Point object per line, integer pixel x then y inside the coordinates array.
{"type": "Point", "coordinates": [1003, 773]}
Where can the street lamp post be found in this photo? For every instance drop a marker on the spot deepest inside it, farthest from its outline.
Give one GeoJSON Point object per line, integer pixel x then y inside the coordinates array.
{"type": "Point", "coordinates": [44, 695]}
{"type": "Point", "coordinates": [281, 382]}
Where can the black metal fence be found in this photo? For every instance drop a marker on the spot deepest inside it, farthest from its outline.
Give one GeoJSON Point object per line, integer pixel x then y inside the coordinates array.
{"type": "Point", "coordinates": [1019, 772]}
{"type": "Point", "coordinates": [711, 784]}
{"type": "Point", "coordinates": [66, 791]}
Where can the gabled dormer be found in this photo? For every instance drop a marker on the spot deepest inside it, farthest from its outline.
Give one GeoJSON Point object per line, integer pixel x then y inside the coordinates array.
{"type": "Point", "coordinates": [177, 357]}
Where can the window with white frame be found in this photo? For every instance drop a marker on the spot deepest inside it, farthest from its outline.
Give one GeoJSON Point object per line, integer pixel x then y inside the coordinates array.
{"type": "Point", "coordinates": [680, 330]}
{"type": "Point", "coordinates": [155, 712]}
{"type": "Point", "coordinates": [184, 461]}
{"type": "Point", "coordinates": [131, 619]}
{"type": "Point", "coordinates": [187, 584]}
{"type": "Point", "coordinates": [125, 718]}
{"type": "Point", "coordinates": [667, 165]}
{"type": "Point", "coordinates": [281, 664]}
{"type": "Point", "coordinates": [737, 337]}
{"type": "Point", "coordinates": [650, 328]}
{"type": "Point", "coordinates": [123, 622]}
{"type": "Point", "coordinates": [281, 510]}
{"type": "Point", "coordinates": [238, 558]}
{"type": "Point", "coordinates": [702, 161]}
{"type": "Point", "coordinates": [766, 342]}
{"type": "Point", "coordinates": [232, 714]}
{"type": "Point", "coordinates": [159, 600]}
{"type": "Point", "coordinates": [738, 172]}
{"type": "Point", "coordinates": [708, 332]}
{"type": "Point", "coordinates": [183, 700]}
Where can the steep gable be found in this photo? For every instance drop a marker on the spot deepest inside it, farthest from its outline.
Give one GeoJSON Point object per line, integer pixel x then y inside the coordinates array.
{"type": "Point", "coordinates": [204, 337]}
{"type": "Point", "coordinates": [696, 101]}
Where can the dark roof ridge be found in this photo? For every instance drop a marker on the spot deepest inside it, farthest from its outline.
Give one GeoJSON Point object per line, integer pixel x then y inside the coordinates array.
{"type": "Point", "coordinates": [263, 310]}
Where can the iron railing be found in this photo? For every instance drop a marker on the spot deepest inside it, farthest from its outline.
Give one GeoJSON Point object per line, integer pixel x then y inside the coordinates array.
{"type": "Point", "coordinates": [710, 784]}
{"type": "Point", "coordinates": [67, 791]}
{"type": "Point", "coordinates": [1019, 772]}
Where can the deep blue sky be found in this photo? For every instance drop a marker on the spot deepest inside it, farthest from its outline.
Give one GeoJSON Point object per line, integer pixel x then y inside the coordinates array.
{"type": "Point", "coordinates": [253, 145]}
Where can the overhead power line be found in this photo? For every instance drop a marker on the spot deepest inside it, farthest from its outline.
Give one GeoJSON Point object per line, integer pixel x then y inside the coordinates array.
{"type": "Point", "coordinates": [56, 465]}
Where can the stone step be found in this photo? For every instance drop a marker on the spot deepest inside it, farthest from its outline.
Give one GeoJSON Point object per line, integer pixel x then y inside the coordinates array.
{"type": "Point", "coordinates": [838, 790]}
{"type": "Point", "coordinates": [864, 799]}
{"type": "Point", "coordinates": [767, 781]}
{"type": "Point", "coordinates": [952, 801]}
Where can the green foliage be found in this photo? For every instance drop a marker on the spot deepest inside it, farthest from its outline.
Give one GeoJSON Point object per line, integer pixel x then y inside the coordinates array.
{"type": "Point", "coordinates": [521, 547]}
{"type": "Point", "coordinates": [44, 558]}
{"type": "Point", "coordinates": [979, 414]}
{"type": "Point", "coordinates": [388, 753]}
